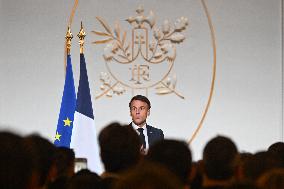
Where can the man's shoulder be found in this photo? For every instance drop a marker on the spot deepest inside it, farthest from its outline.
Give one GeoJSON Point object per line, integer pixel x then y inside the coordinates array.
{"type": "Point", "coordinates": [154, 133]}
{"type": "Point", "coordinates": [153, 128]}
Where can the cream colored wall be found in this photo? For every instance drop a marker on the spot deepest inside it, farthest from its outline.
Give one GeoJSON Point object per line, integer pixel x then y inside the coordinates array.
{"type": "Point", "coordinates": [247, 99]}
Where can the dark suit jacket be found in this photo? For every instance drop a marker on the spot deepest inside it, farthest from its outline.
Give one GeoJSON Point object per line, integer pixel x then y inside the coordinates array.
{"type": "Point", "coordinates": [154, 134]}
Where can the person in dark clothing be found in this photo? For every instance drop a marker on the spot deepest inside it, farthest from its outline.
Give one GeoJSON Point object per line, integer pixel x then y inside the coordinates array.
{"type": "Point", "coordinates": [119, 150]}
{"type": "Point", "coordinates": [219, 158]}
{"type": "Point", "coordinates": [139, 111]}
{"type": "Point", "coordinates": [174, 155]}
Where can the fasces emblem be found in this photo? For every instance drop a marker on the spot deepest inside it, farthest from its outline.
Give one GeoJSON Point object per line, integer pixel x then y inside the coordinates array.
{"type": "Point", "coordinates": [142, 59]}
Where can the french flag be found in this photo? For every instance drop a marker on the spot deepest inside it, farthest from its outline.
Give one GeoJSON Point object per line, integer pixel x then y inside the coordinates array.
{"type": "Point", "coordinates": [84, 136]}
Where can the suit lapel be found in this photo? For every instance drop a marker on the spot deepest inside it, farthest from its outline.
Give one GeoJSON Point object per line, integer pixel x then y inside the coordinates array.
{"type": "Point", "coordinates": [150, 135]}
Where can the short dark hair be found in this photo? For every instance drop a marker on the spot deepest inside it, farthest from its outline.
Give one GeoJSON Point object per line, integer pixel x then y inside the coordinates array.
{"type": "Point", "coordinates": [272, 179]}
{"type": "Point", "coordinates": [277, 149]}
{"type": "Point", "coordinates": [85, 179]}
{"type": "Point", "coordinates": [120, 147]}
{"type": "Point", "coordinates": [148, 175]}
{"type": "Point", "coordinates": [64, 160]}
{"type": "Point", "coordinates": [219, 156]}
{"type": "Point", "coordinates": [260, 163]}
{"type": "Point", "coordinates": [16, 162]}
{"type": "Point", "coordinates": [174, 155]}
{"type": "Point", "coordinates": [43, 152]}
{"type": "Point", "coordinates": [141, 98]}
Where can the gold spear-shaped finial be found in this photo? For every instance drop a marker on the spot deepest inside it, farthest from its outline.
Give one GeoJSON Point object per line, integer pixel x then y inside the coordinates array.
{"type": "Point", "coordinates": [81, 35]}
{"type": "Point", "coordinates": [68, 38]}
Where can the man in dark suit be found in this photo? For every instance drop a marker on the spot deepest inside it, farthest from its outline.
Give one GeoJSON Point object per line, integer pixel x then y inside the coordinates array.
{"type": "Point", "coordinates": [139, 111]}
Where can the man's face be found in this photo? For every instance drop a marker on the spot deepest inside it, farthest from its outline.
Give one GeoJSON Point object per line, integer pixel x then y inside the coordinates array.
{"type": "Point", "coordinates": [139, 111]}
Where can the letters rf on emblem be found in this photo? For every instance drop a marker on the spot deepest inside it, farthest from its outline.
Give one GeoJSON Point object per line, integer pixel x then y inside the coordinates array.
{"type": "Point", "coordinates": [142, 60]}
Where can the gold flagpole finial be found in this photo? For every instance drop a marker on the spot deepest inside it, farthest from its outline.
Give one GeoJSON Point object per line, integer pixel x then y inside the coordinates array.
{"type": "Point", "coordinates": [81, 35]}
{"type": "Point", "coordinates": [68, 38]}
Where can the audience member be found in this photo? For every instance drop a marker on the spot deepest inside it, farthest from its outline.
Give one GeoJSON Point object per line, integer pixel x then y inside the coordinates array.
{"type": "Point", "coordinates": [16, 168]}
{"type": "Point", "coordinates": [258, 164]}
{"type": "Point", "coordinates": [196, 176]}
{"type": "Point", "coordinates": [148, 176]}
{"type": "Point", "coordinates": [59, 183]}
{"type": "Point", "coordinates": [174, 155]}
{"type": "Point", "coordinates": [33, 162]}
{"type": "Point", "coordinates": [85, 179]}
{"type": "Point", "coordinates": [277, 149]}
{"type": "Point", "coordinates": [273, 179]}
{"type": "Point", "coordinates": [43, 153]}
{"type": "Point", "coordinates": [243, 157]}
{"type": "Point", "coordinates": [64, 161]}
{"type": "Point", "coordinates": [219, 156]}
{"type": "Point", "coordinates": [119, 150]}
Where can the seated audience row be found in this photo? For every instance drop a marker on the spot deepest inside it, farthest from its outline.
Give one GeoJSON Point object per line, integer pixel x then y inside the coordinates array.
{"type": "Point", "coordinates": [33, 162]}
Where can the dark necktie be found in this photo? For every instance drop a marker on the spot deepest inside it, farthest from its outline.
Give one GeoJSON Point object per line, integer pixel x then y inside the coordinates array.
{"type": "Point", "coordinates": [142, 137]}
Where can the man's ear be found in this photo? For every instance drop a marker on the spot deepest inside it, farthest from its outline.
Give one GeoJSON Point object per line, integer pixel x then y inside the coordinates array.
{"type": "Point", "coordinates": [148, 112]}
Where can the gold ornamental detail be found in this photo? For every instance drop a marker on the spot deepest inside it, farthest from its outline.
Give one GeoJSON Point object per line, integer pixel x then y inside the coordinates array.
{"type": "Point", "coordinates": [68, 38]}
{"type": "Point", "coordinates": [142, 60]}
{"type": "Point", "coordinates": [81, 35]}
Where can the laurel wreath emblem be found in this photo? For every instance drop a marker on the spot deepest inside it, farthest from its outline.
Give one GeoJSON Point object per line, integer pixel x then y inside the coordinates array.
{"type": "Point", "coordinates": [161, 47]}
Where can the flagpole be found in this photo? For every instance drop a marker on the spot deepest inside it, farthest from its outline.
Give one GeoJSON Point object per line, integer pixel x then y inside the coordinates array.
{"type": "Point", "coordinates": [81, 35]}
{"type": "Point", "coordinates": [68, 102]}
{"type": "Point", "coordinates": [84, 134]}
{"type": "Point", "coordinates": [76, 2]}
{"type": "Point", "coordinates": [68, 38]}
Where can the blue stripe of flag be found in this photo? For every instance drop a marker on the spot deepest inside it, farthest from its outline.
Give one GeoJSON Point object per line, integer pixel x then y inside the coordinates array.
{"type": "Point", "coordinates": [84, 103]}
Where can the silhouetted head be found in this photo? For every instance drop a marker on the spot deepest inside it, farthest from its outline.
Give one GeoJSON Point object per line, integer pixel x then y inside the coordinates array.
{"type": "Point", "coordinates": [119, 147]}
{"type": "Point", "coordinates": [219, 156]}
{"type": "Point", "coordinates": [173, 154]}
